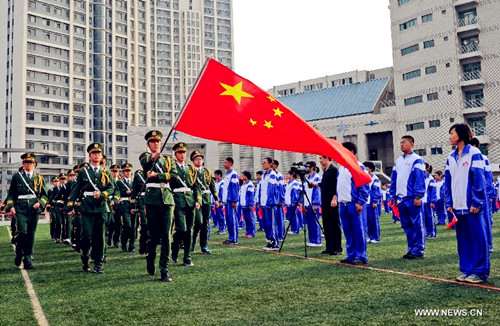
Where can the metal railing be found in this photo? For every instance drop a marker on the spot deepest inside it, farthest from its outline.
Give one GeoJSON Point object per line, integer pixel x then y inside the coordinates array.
{"type": "Point", "coordinates": [471, 75]}
{"type": "Point", "coordinates": [467, 20]}
{"type": "Point", "coordinates": [475, 103]}
{"type": "Point", "coordinates": [468, 48]}
{"type": "Point", "coordinates": [387, 103]}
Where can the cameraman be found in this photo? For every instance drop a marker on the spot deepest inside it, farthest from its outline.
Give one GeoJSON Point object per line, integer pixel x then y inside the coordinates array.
{"type": "Point", "coordinates": [330, 209]}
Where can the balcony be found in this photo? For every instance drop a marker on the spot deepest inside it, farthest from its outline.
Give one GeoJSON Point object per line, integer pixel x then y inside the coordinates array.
{"type": "Point", "coordinates": [468, 24]}
{"type": "Point", "coordinates": [461, 3]}
{"type": "Point", "coordinates": [471, 78]}
{"type": "Point", "coordinates": [469, 51]}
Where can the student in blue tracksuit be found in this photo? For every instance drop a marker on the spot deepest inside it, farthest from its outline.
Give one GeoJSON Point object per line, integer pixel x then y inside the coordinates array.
{"type": "Point", "coordinates": [220, 219]}
{"type": "Point", "coordinates": [267, 195]}
{"type": "Point", "coordinates": [314, 193]}
{"type": "Point", "coordinates": [407, 190]}
{"type": "Point", "coordinates": [490, 192]}
{"type": "Point", "coordinates": [429, 203]}
{"type": "Point", "coordinates": [230, 197]}
{"type": "Point", "coordinates": [247, 202]}
{"type": "Point", "coordinates": [258, 210]}
{"type": "Point", "coordinates": [385, 198]}
{"type": "Point", "coordinates": [372, 205]}
{"type": "Point", "coordinates": [292, 200]}
{"type": "Point", "coordinates": [440, 209]}
{"type": "Point", "coordinates": [351, 201]}
{"type": "Point", "coordinates": [280, 194]}
{"type": "Point", "coordinates": [466, 197]}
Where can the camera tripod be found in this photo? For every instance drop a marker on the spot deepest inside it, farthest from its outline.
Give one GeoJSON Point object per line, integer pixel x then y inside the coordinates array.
{"type": "Point", "coordinates": [304, 227]}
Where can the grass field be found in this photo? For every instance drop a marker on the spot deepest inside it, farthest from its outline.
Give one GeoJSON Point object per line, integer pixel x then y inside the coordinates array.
{"type": "Point", "coordinates": [239, 286]}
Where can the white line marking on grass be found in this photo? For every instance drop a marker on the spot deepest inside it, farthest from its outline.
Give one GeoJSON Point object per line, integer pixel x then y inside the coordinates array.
{"type": "Point", "coordinates": [37, 308]}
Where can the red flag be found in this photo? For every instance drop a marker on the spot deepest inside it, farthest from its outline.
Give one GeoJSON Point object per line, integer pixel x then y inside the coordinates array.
{"type": "Point", "coordinates": [395, 209]}
{"type": "Point", "coordinates": [453, 222]}
{"type": "Point", "coordinates": [247, 115]}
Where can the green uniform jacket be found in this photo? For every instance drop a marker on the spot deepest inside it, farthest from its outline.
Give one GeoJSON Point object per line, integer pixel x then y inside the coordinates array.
{"type": "Point", "coordinates": [19, 188]}
{"type": "Point", "coordinates": [188, 177]}
{"type": "Point", "coordinates": [163, 166]}
{"type": "Point", "coordinates": [102, 180]}
{"type": "Point", "coordinates": [122, 186]}
{"type": "Point", "coordinates": [137, 200]}
{"type": "Point", "coordinates": [205, 182]}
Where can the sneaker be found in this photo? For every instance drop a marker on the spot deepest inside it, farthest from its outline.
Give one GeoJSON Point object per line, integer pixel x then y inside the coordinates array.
{"type": "Point", "coordinates": [268, 246]}
{"type": "Point", "coordinates": [314, 244]}
{"type": "Point", "coordinates": [462, 278]}
{"type": "Point", "coordinates": [368, 240]}
{"type": "Point", "coordinates": [165, 277]}
{"type": "Point", "coordinates": [374, 241]}
{"type": "Point", "coordinates": [473, 279]}
{"type": "Point", "coordinates": [206, 251]}
{"type": "Point", "coordinates": [85, 268]}
{"type": "Point", "coordinates": [188, 262]}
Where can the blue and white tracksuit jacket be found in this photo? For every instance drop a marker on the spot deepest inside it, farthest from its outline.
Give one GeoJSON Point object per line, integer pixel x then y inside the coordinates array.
{"type": "Point", "coordinates": [268, 201]}
{"type": "Point", "coordinates": [231, 195]}
{"type": "Point", "coordinates": [466, 188]}
{"type": "Point", "coordinates": [292, 193]}
{"type": "Point", "coordinates": [314, 194]}
{"type": "Point", "coordinates": [247, 202]}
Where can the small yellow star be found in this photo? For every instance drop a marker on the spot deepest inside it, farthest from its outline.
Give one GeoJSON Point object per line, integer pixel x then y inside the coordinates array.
{"type": "Point", "coordinates": [278, 112]}
{"type": "Point", "coordinates": [235, 91]}
{"type": "Point", "coordinates": [268, 124]}
{"type": "Point", "coordinates": [253, 122]}
{"type": "Point", "coordinates": [272, 99]}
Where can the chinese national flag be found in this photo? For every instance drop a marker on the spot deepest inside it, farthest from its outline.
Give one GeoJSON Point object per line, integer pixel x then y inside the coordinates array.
{"type": "Point", "coordinates": [226, 107]}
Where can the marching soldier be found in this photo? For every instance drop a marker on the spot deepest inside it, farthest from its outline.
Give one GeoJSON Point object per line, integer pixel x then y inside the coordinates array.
{"type": "Point", "coordinates": [114, 220]}
{"type": "Point", "coordinates": [159, 203]}
{"type": "Point", "coordinates": [206, 186]}
{"type": "Point", "coordinates": [26, 199]}
{"type": "Point", "coordinates": [76, 219]}
{"type": "Point", "coordinates": [65, 191]}
{"type": "Point", "coordinates": [93, 186]}
{"type": "Point", "coordinates": [125, 186]}
{"type": "Point", "coordinates": [186, 197]}
{"type": "Point", "coordinates": [50, 208]}
{"type": "Point", "coordinates": [138, 209]}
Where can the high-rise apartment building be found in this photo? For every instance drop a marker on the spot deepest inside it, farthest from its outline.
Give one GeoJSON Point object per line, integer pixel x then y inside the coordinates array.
{"type": "Point", "coordinates": [82, 71]}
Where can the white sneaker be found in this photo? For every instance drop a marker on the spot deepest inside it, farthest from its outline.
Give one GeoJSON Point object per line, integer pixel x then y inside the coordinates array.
{"type": "Point", "coordinates": [314, 244]}
{"type": "Point", "coordinates": [374, 241]}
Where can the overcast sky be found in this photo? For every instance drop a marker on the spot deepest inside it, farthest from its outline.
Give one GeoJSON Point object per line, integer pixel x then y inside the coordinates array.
{"type": "Point", "coordinates": [283, 41]}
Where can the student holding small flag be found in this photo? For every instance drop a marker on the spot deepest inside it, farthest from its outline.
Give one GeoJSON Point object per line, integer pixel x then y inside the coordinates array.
{"type": "Point", "coordinates": [466, 198]}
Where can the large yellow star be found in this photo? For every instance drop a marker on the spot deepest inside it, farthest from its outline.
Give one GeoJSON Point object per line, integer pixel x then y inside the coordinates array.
{"type": "Point", "coordinates": [272, 99]}
{"type": "Point", "coordinates": [278, 112]}
{"type": "Point", "coordinates": [235, 91]}
{"type": "Point", "coordinates": [268, 124]}
{"type": "Point", "coordinates": [253, 122]}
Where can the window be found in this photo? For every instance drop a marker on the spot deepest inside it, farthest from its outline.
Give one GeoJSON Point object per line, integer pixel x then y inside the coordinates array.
{"type": "Point", "coordinates": [30, 131]}
{"type": "Point", "coordinates": [78, 135]}
{"type": "Point", "coordinates": [45, 132]}
{"type": "Point", "coordinates": [445, 38]}
{"type": "Point", "coordinates": [432, 96]}
{"type": "Point", "coordinates": [413, 100]}
{"type": "Point", "coordinates": [45, 117]}
{"type": "Point", "coordinates": [426, 18]}
{"type": "Point", "coordinates": [56, 119]}
{"type": "Point", "coordinates": [434, 123]}
{"type": "Point", "coordinates": [428, 44]}
{"type": "Point", "coordinates": [30, 116]}
{"type": "Point", "coordinates": [421, 152]}
{"type": "Point", "coordinates": [56, 133]}
{"type": "Point", "coordinates": [410, 49]}
{"type": "Point", "coordinates": [402, 2]}
{"type": "Point", "coordinates": [436, 150]}
{"type": "Point", "coordinates": [411, 74]}
{"type": "Point", "coordinates": [415, 126]}
{"type": "Point", "coordinates": [430, 70]}
{"type": "Point", "coordinates": [408, 24]}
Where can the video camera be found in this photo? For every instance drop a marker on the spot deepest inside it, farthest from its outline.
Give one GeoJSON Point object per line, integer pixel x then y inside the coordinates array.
{"type": "Point", "coordinates": [300, 169]}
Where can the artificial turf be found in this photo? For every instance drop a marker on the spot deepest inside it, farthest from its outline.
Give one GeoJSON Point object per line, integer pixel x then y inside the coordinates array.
{"type": "Point", "coordinates": [239, 286]}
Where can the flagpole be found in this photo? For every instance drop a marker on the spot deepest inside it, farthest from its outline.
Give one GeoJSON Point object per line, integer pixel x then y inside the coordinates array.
{"type": "Point", "coordinates": [186, 102]}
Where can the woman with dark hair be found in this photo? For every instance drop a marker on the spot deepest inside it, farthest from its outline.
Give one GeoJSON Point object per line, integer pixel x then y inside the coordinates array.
{"type": "Point", "coordinates": [314, 193]}
{"type": "Point", "coordinates": [466, 199]}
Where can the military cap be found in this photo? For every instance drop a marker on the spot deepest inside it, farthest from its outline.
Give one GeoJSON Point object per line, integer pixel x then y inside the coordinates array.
{"type": "Point", "coordinates": [54, 179]}
{"type": "Point", "coordinates": [71, 172]}
{"type": "Point", "coordinates": [114, 168]}
{"type": "Point", "coordinates": [28, 158]}
{"type": "Point", "coordinates": [138, 171]}
{"type": "Point", "coordinates": [127, 167]}
{"type": "Point", "coordinates": [180, 147]}
{"type": "Point", "coordinates": [21, 169]}
{"type": "Point", "coordinates": [63, 176]}
{"type": "Point", "coordinates": [153, 135]}
{"type": "Point", "coordinates": [83, 165]}
{"type": "Point", "coordinates": [195, 154]}
{"type": "Point", "coordinates": [95, 147]}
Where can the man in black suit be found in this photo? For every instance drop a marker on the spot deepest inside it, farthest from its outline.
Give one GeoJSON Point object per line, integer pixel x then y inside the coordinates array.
{"type": "Point", "coordinates": [330, 209]}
